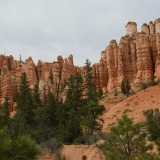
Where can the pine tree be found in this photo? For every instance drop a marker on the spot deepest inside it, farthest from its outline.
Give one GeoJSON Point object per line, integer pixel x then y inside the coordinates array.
{"type": "Point", "coordinates": [125, 87]}
{"type": "Point", "coordinates": [25, 107]}
{"type": "Point", "coordinates": [144, 86]}
{"type": "Point", "coordinates": [126, 141]}
{"type": "Point", "coordinates": [91, 121]}
{"type": "Point", "coordinates": [24, 147]}
{"type": "Point", "coordinates": [36, 97]}
{"type": "Point", "coordinates": [5, 146]}
{"type": "Point", "coordinates": [92, 109]}
{"type": "Point", "coordinates": [91, 89]}
{"type": "Point", "coordinates": [51, 109]}
{"type": "Point", "coordinates": [5, 108]}
{"type": "Point", "coordinates": [74, 93]}
{"type": "Point", "coordinates": [153, 123]}
{"type": "Point", "coordinates": [69, 113]}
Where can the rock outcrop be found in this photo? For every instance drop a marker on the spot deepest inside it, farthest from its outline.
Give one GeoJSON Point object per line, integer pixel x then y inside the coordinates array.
{"type": "Point", "coordinates": [135, 58]}
{"type": "Point", "coordinates": [49, 76]}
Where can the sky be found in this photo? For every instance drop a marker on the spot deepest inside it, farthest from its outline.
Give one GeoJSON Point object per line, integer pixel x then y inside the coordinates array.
{"type": "Point", "coordinates": [44, 29]}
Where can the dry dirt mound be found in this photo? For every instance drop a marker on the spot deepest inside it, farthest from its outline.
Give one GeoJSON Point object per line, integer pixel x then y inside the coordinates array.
{"type": "Point", "coordinates": [46, 156]}
{"type": "Point", "coordinates": [73, 152]}
{"type": "Point", "coordinates": [76, 152]}
{"type": "Point", "coordinates": [132, 106]}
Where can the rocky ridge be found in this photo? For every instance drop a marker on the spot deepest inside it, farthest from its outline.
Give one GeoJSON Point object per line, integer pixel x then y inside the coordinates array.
{"type": "Point", "coordinates": [135, 58]}
{"type": "Point", "coordinates": [49, 76]}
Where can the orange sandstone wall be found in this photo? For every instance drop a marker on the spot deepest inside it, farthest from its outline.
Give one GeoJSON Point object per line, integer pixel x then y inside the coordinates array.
{"type": "Point", "coordinates": [135, 58]}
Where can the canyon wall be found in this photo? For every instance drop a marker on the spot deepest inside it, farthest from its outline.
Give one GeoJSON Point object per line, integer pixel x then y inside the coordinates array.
{"type": "Point", "coordinates": [49, 76]}
{"type": "Point", "coordinates": [135, 58]}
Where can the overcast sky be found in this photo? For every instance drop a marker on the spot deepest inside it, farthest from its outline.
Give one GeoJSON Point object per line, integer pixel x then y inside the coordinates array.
{"type": "Point", "coordinates": [45, 29]}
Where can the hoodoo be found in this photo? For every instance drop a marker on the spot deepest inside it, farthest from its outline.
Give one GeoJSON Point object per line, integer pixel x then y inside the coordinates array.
{"type": "Point", "coordinates": [136, 58]}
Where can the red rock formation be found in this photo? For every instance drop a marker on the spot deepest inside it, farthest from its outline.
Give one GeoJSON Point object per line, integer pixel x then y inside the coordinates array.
{"type": "Point", "coordinates": [157, 65]}
{"type": "Point", "coordinates": [135, 58]}
{"type": "Point", "coordinates": [10, 79]}
{"type": "Point", "coordinates": [145, 29]}
{"type": "Point", "coordinates": [151, 28]}
{"type": "Point", "coordinates": [131, 29]}
{"type": "Point", "coordinates": [144, 62]}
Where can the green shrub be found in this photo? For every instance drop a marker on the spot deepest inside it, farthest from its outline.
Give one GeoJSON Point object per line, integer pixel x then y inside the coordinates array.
{"type": "Point", "coordinates": [53, 144]}
{"type": "Point", "coordinates": [100, 94]}
{"type": "Point", "coordinates": [143, 86]}
{"type": "Point", "coordinates": [153, 123]}
{"type": "Point", "coordinates": [25, 148]}
{"type": "Point", "coordinates": [149, 84]}
{"type": "Point", "coordinates": [125, 86]}
{"type": "Point", "coordinates": [5, 146]}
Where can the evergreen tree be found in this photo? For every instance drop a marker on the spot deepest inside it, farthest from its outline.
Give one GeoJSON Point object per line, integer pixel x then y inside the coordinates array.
{"type": "Point", "coordinates": [51, 109]}
{"type": "Point", "coordinates": [74, 93]}
{"type": "Point", "coordinates": [24, 148]}
{"type": "Point", "coordinates": [36, 97]}
{"type": "Point", "coordinates": [91, 121]}
{"type": "Point", "coordinates": [153, 123]}
{"type": "Point", "coordinates": [144, 86]}
{"type": "Point", "coordinates": [90, 87]}
{"type": "Point", "coordinates": [126, 141]}
{"type": "Point", "coordinates": [5, 146]}
{"type": "Point", "coordinates": [46, 120]}
{"type": "Point", "coordinates": [100, 94]}
{"type": "Point", "coordinates": [69, 113]}
{"type": "Point", "coordinates": [7, 124]}
{"type": "Point", "coordinates": [92, 109]}
{"type": "Point", "coordinates": [58, 83]}
{"type": "Point", "coordinates": [6, 113]}
{"type": "Point", "coordinates": [125, 87]}
{"type": "Point", "coordinates": [25, 107]}
{"type": "Point", "coordinates": [10, 146]}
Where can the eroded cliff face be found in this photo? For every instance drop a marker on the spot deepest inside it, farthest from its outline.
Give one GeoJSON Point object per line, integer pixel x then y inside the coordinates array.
{"type": "Point", "coordinates": [49, 76]}
{"type": "Point", "coordinates": [135, 58]}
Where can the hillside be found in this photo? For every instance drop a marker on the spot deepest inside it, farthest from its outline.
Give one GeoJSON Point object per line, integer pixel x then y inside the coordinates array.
{"type": "Point", "coordinates": [133, 106]}
{"type": "Point", "coordinates": [115, 106]}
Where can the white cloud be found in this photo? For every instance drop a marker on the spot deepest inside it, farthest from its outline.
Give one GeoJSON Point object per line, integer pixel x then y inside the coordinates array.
{"type": "Point", "coordinates": [44, 29]}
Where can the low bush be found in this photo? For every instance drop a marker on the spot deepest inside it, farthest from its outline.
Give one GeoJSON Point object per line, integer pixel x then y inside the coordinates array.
{"type": "Point", "coordinates": [25, 148]}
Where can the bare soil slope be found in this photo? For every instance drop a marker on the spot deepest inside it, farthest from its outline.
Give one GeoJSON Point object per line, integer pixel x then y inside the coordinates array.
{"type": "Point", "coordinates": [132, 106]}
